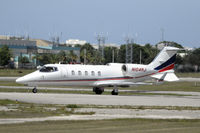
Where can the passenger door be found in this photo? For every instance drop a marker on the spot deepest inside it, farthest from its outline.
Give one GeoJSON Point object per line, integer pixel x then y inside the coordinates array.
{"type": "Point", "coordinates": [64, 73]}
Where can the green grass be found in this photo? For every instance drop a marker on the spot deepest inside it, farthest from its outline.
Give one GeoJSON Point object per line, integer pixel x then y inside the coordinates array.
{"type": "Point", "coordinates": [8, 102]}
{"type": "Point", "coordinates": [106, 126]}
{"type": "Point", "coordinates": [139, 107]}
{"type": "Point", "coordinates": [15, 72]}
{"type": "Point", "coordinates": [193, 75]}
{"type": "Point", "coordinates": [30, 110]}
{"type": "Point", "coordinates": [169, 86]}
{"type": "Point", "coordinates": [9, 83]}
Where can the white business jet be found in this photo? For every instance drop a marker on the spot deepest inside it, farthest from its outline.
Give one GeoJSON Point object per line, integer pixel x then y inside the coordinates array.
{"type": "Point", "coordinates": [100, 76]}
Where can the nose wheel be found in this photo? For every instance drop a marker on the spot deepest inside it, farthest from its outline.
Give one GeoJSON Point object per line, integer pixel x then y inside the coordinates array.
{"type": "Point", "coordinates": [34, 90]}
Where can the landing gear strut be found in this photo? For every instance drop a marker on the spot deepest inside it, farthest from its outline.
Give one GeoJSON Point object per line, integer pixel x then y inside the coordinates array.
{"type": "Point", "coordinates": [34, 90]}
{"type": "Point", "coordinates": [98, 90]}
{"type": "Point", "coordinates": [115, 91]}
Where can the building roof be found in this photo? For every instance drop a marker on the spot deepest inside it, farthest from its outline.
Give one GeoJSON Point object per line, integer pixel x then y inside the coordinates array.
{"type": "Point", "coordinates": [42, 43]}
{"type": "Point", "coordinates": [64, 48]}
{"type": "Point", "coordinates": [16, 47]}
{"type": "Point", "coordinates": [75, 41]}
{"type": "Point", "coordinates": [3, 37]}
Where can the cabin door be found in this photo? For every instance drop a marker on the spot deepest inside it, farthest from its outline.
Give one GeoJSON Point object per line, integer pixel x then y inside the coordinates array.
{"type": "Point", "coordinates": [64, 73]}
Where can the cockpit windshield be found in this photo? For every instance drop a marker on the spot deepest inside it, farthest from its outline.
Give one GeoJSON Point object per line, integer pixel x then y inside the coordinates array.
{"type": "Point", "coordinates": [48, 69]}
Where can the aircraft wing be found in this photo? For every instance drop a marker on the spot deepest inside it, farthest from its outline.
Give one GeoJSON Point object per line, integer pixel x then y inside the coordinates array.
{"type": "Point", "coordinates": [122, 84]}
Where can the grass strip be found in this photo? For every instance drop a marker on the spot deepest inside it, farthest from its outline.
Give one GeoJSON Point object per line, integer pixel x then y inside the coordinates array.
{"type": "Point", "coordinates": [18, 109]}
{"type": "Point", "coordinates": [15, 72]}
{"type": "Point", "coordinates": [106, 126]}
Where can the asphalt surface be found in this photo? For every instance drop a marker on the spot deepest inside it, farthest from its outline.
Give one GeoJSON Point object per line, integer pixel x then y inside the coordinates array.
{"type": "Point", "coordinates": [47, 88]}
{"type": "Point", "coordinates": [8, 78]}
{"type": "Point", "coordinates": [159, 100]}
{"type": "Point", "coordinates": [144, 100]}
{"type": "Point", "coordinates": [191, 100]}
{"type": "Point", "coordinates": [188, 79]}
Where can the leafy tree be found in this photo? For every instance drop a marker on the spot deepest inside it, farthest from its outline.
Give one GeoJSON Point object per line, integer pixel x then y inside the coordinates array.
{"type": "Point", "coordinates": [179, 60]}
{"type": "Point", "coordinates": [147, 51]}
{"type": "Point", "coordinates": [108, 54]}
{"type": "Point", "coordinates": [194, 57]}
{"type": "Point", "coordinates": [43, 59]}
{"type": "Point", "coordinates": [90, 52]}
{"type": "Point", "coordinates": [5, 55]}
{"type": "Point", "coordinates": [61, 57]}
{"type": "Point", "coordinates": [171, 43]}
{"type": "Point", "coordinates": [23, 60]}
{"type": "Point", "coordinates": [96, 59]}
{"type": "Point", "coordinates": [71, 56]}
{"type": "Point", "coordinates": [122, 54]}
{"type": "Point", "coordinates": [151, 53]}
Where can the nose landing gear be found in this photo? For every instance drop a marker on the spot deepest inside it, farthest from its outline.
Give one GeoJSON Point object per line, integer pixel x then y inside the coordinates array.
{"type": "Point", "coordinates": [34, 90]}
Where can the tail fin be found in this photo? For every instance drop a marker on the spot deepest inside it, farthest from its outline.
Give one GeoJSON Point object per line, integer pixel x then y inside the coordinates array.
{"type": "Point", "coordinates": [164, 60]}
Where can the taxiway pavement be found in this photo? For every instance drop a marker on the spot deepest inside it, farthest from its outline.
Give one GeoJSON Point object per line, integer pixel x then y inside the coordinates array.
{"type": "Point", "coordinates": [143, 100]}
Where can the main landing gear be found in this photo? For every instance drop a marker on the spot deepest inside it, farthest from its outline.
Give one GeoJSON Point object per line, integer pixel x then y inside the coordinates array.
{"type": "Point", "coordinates": [115, 91]}
{"type": "Point", "coordinates": [100, 90]}
{"type": "Point", "coordinates": [34, 90]}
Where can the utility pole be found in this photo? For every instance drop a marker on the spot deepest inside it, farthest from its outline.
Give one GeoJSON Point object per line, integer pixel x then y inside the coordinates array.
{"type": "Point", "coordinates": [101, 43]}
{"type": "Point", "coordinates": [102, 47]}
{"type": "Point", "coordinates": [129, 49]}
{"type": "Point", "coordinates": [85, 51]}
{"type": "Point", "coordinates": [113, 56]}
{"type": "Point", "coordinates": [162, 34]}
{"type": "Point", "coordinates": [140, 56]}
{"type": "Point", "coordinates": [131, 58]}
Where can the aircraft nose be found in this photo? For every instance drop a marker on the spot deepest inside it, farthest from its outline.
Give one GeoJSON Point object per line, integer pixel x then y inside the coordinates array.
{"type": "Point", "coordinates": [20, 80]}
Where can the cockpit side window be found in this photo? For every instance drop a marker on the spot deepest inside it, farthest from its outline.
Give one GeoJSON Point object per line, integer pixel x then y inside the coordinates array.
{"type": "Point", "coordinates": [48, 69]}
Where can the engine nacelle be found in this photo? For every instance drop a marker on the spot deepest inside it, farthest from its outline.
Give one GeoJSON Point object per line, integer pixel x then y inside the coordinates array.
{"type": "Point", "coordinates": [133, 69]}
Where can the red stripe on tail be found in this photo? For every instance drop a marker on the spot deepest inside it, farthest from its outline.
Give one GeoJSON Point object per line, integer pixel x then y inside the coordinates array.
{"type": "Point", "coordinates": [167, 68]}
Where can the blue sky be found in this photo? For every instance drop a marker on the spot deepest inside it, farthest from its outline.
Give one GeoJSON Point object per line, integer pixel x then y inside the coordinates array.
{"type": "Point", "coordinates": [82, 19]}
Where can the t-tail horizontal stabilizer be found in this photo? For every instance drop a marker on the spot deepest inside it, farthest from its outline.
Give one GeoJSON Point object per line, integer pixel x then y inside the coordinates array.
{"type": "Point", "coordinates": [166, 76]}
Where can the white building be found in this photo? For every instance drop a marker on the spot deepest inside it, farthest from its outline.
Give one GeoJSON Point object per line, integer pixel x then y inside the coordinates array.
{"type": "Point", "coordinates": [160, 46]}
{"type": "Point", "coordinates": [75, 41]}
{"type": "Point", "coordinates": [188, 48]}
{"type": "Point", "coordinates": [96, 46]}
